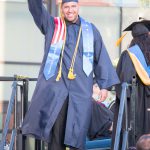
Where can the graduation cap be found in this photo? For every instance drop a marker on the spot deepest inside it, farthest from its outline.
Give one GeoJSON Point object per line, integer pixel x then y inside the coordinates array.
{"type": "Point", "coordinates": [65, 1]}
{"type": "Point", "coordinates": [144, 22]}
{"type": "Point", "coordinates": [137, 28]}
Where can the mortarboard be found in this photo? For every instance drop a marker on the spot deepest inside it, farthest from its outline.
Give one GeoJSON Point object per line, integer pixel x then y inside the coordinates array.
{"type": "Point", "coordinates": [137, 28]}
{"type": "Point", "coordinates": [65, 1]}
{"type": "Point", "coordinates": [144, 22]}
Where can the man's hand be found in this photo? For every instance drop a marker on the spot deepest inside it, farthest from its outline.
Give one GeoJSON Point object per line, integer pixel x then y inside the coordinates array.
{"type": "Point", "coordinates": [103, 93]}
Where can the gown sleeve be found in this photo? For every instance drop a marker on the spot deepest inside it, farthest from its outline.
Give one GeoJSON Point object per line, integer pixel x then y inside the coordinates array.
{"type": "Point", "coordinates": [40, 14]}
{"type": "Point", "coordinates": [126, 72]}
{"type": "Point", "coordinates": [104, 71]}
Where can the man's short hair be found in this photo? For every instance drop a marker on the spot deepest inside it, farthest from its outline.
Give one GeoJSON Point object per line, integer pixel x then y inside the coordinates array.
{"type": "Point", "coordinates": [143, 142]}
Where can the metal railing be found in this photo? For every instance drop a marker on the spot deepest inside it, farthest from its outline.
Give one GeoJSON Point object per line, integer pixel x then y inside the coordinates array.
{"type": "Point", "coordinates": [19, 82]}
{"type": "Point", "coordinates": [22, 83]}
{"type": "Point", "coordinates": [129, 125]}
{"type": "Point", "coordinates": [7, 119]}
{"type": "Point", "coordinates": [123, 105]}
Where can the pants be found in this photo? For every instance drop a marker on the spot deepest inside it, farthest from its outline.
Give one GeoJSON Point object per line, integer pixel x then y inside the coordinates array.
{"type": "Point", "coordinates": [58, 130]}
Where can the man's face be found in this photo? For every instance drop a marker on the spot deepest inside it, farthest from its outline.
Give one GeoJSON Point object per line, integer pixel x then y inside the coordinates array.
{"type": "Point", "coordinates": [70, 10]}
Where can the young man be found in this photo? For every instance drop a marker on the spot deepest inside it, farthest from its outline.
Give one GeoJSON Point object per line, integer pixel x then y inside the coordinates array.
{"type": "Point", "coordinates": [61, 105]}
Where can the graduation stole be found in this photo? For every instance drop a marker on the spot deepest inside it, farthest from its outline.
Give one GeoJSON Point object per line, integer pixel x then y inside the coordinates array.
{"type": "Point", "coordinates": [88, 46]}
{"type": "Point", "coordinates": [139, 63]}
{"type": "Point", "coordinates": [57, 48]}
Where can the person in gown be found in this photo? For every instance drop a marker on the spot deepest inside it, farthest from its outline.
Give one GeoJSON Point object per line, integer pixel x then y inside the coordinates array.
{"type": "Point", "coordinates": [134, 64]}
{"type": "Point", "coordinates": [60, 108]}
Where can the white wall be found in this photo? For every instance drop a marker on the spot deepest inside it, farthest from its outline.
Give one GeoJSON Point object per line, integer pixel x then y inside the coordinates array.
{"type": "Point", "coordinates": [131, 15]}
{"type": "Point", "coordinates": [20, 40]}
{"type": "Point", "coordinates": [107, 21]}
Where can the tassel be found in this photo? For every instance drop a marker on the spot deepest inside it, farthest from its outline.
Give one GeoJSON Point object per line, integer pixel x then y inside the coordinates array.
{"type": "Point", "coordinates": [120, 39]}
{"type": "Point", "coordinates": [71, 76]}
{"type": "Point", "coordinates": [58, 76]}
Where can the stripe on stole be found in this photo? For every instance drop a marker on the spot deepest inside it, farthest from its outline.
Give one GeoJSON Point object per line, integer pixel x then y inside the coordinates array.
{"type": "Point", "coordinates": [57, 32]}
{"type": "Point", "coordinates": [62, 31]}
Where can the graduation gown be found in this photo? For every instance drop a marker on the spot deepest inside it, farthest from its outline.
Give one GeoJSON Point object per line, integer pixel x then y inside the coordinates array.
{"type": "Point", "coordinates": [126, 72]}
{"type": "Point", "coordinates": [101, 121]}
{"type": "Point", "coordinates": [49, 95]}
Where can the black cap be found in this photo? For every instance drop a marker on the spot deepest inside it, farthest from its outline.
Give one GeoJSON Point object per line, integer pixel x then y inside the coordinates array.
{"type": "Point", "coordinates": [138, 28]}
{"type": "Point", "coordinates": [65, 1]}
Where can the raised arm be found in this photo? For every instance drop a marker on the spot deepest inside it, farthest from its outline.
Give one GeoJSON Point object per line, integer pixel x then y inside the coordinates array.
{"type": "Point", "coordinates": [40, 14]}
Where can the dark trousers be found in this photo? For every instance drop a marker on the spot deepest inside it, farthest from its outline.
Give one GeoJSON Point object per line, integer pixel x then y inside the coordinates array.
{"type": "Point", "coordinates": [58, 130]}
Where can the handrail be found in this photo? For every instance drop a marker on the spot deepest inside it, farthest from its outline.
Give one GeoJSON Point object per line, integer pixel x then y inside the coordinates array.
{"type": "Point", "coordinates": [120, 114]}
{"type": "Point", "coordinates": [19, 78]}
{"type": "Point", "coordinates": [24, 106]}
{"type": "Point", "coordinates": [9, 110]}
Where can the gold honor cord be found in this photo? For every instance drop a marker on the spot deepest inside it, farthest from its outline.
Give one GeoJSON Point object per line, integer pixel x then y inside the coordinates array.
{"type": "Point", "coordinates": [71, 75]}
{"type": "Point", "coordinates": [63, 47]}
{"type": "Point", "coordinates": [62, 54]}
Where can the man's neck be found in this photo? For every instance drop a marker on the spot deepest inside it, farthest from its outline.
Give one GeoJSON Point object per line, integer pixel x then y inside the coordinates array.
{"type": "Point", "coordinates": [75, 20]}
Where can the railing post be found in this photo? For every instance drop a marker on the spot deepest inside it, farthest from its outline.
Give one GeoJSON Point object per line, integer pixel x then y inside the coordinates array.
{"type": "Point", "coordinates": [15, 112]}
{"type": "Point", "coordinates": [18, 141]}
{"type": "Point", "coordinates": [132, 112]}
{"type": "Point", "coordinates": [120, 115]}
{"type": "Point", "coordinates": [24, 107]}
{"type": "Point", "coordinates": [8, 116]}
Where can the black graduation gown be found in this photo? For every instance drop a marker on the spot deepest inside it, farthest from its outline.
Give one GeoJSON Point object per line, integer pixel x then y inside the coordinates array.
{"type": "Point", "coordinates": [101, 121]}
{"type": "Point", "coordinates": [126, 72]}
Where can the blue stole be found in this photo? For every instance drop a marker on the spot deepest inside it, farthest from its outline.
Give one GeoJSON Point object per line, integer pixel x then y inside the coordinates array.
{"type": "Point", "coordinates": [88, 46]}
{"type": "Point", "coordinates": [52, 60]}
{"type": "Point", "coordinates": [139, 55]}
{"type": "Point", "coordinates": [56, 47]}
